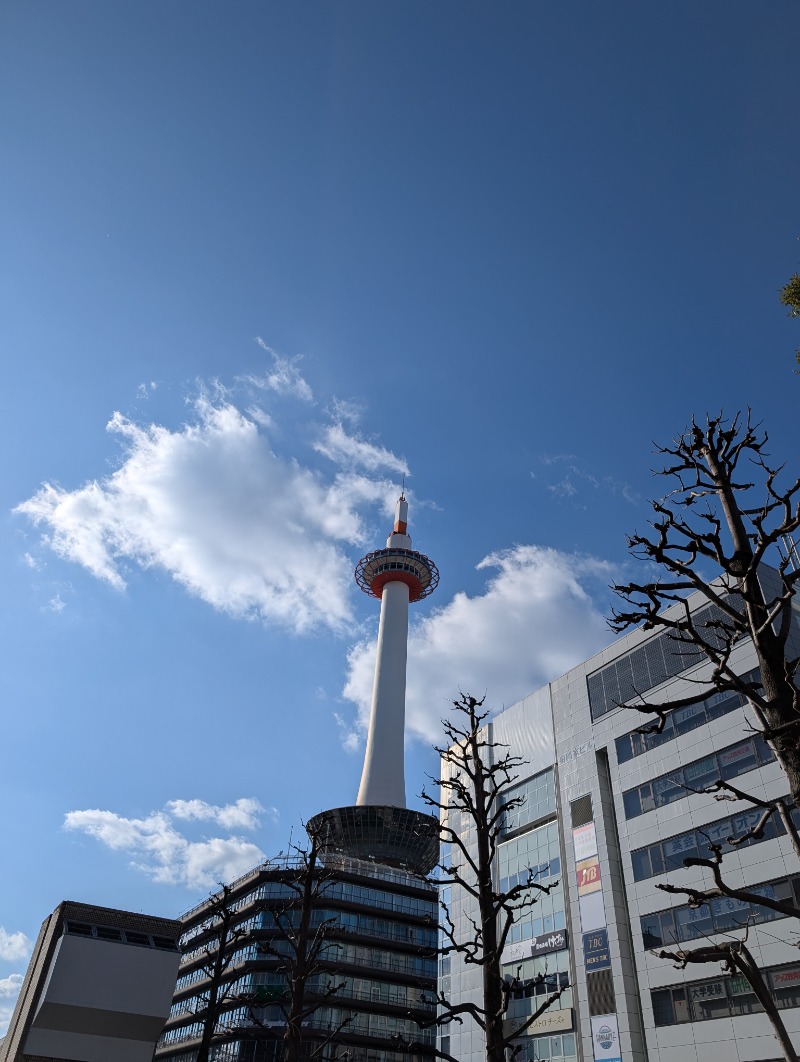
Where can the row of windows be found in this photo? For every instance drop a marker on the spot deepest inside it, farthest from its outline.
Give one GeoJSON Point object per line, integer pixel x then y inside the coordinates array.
{"type": "Point", "coordinates": [658, 659]}
{"type": "Point", "coordinates": [669, 855]}
{"type": "Point", "coordinates": [355, 922]}
{"type": "Point", "coordinates": [529, 995]}
{"type": "Point", "coordinates": [723, 997]}
{"type": "Point", "coordinates": [533, 847]}
{"type": "Point", "coordinates": [537, 920]}
{"type": "Point", "coordinates": [360, 894]}
{"type": "Point", "coordinates": [682, 721]}
{"type": "Point", "coordinates": [720, 915]}
{"type": "Point", "coordinates": [350, 955]}
{"type": "Point", "coordinates": [732, 761]}
{"type": "Point", "coordinates": [259, 1050]}
{"type": "Point", "coordinates": [121, 936]}
{"type": "Point", "coordinates": [327, 1019]}
{"type": "Point", "coordinates": [334, 890]}
{"type": "Point", "coordinates": [538, 795]}
{"type": "Point", "coordinates": [541, 1047]}
{"type": "Point", "coordinates": [538, 873]}
{"type": "Point", "coordinates": [269, 986]}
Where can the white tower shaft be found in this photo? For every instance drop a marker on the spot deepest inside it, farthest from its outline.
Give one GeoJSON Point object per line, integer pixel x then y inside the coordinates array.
{"type": "Point", "coordinates": [383, 780]}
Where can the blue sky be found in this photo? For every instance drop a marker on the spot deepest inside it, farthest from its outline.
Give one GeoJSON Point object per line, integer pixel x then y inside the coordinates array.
{"type": "Point", "coordinates": [261, 260]}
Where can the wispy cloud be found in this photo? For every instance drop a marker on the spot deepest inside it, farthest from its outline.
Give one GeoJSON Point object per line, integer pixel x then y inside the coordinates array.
{"type": "Point", "coordinates": [536, 618]}
{"type": "Point", "coordinates": [576, 483]}
{"type": "Point", "coordinates": [157, 848]}
{"type": "Point", "coordinates": [346, 449]}
{"type": "Point", "coordinates": [14, 946]}
{"type": "Point", "coordinates": [283, 377]}
{"type": "Point", "coordinates": [253, 532]}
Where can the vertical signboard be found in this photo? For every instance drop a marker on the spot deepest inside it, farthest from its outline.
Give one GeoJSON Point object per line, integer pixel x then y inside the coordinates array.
{"type": "Point", "coordinates": [596, 954]}
{"type": "Point", "coordinates": [584, 838]}
{"type": "Point", "coordinates": [587, 867]}
{"type": "Point", "coordinates": [605, 1038]}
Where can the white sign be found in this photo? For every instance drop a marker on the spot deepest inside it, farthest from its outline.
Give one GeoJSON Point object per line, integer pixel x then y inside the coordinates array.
{"type": "Point", "coordinates": [593, 912]}
{"type": "Point", "coordinates": [517, 952]}
{"type": "Point", "coordinates": [551, 1021]}
{"type": "Point", "coordinates": [585, 840]}
{"type": "Point", "coordinates": [605, 1038]}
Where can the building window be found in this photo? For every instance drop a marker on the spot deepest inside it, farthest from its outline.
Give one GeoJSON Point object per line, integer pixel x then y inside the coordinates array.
{"type": "Point", "coordinates": [658, 659]}
{"type": "Point", "coordinates": [669, 855]}
{"type": "Point", "coordinates": [538, 796]}
{"type": "Point", "coordinates": [681, 721]}
{"type": "Point", "coordinates": [736, 759]}
{"type": "Point", "coordinates": [723, 997]}
{"type": "Point", "coordinates": [721, 915]}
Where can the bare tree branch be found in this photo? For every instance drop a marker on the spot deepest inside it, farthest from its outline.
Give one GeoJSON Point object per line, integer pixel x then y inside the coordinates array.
{"type": "Point", "coordinates": [477, 776]}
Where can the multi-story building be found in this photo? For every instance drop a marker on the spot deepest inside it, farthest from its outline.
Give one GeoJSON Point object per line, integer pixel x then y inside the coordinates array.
{"type": "Point", "coordinates": [610, 813]}
{"type": "Point", "coordinates": [98, 987]}
{"type": "Point", "coordinates": [377, 953]}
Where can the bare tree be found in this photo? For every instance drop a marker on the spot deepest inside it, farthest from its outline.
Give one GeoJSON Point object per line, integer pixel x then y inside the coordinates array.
{"type": "Point", "coordinates": [727, 512]}
{"type": "Point", "coordinates": [304, 969]}
{"type": "Point", "coordinates": [219, 993]}
{"type": "Point", "coordinates": [304, 952]}
{"type": "Point", "coordinates": [476, 777]}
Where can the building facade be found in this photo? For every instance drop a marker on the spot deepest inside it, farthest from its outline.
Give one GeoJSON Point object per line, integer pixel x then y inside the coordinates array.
{"type": "Point", "coordinates": [98, 987]}
{"type": "Point", "coordinates": [377, 952]}
{"type": "Point", "coordinates": [609, 814]}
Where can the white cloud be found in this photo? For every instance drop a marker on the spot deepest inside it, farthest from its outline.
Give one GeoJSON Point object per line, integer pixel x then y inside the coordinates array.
{"type": "Point", "coordinates": [56, 604]}
{"type": "Point", "coordinates": [10, 986]}
{"type": "Point", "coordinates": [535, 620]}
{"type": "Point", "coordinates": [31, 561]}
{"type": "Point", "coordinates": [284, 377]}
{"type": "Point", "coordinates": [251, 532]}
{"type": "Point", "coordinates": [346, 449]}
{"type": "Point", "coordinates": [14, 946]}
{"type": "Point", "coordinates": [9, 990]}
{"type": "Point", "coordinates": [158, 849]}
{"type": "Point", "coordinates": [245, 814]}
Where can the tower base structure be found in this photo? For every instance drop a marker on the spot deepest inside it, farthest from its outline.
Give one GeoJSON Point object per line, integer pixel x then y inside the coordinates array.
{"type": "Point", "coordinates": [395, 837]}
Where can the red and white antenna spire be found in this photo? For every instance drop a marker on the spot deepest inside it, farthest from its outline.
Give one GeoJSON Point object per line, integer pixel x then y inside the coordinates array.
{"type": "Point", "coordinates": [397, 576]}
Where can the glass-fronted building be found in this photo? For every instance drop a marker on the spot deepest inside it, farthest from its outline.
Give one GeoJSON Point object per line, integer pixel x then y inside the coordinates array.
{"type": "Point", "coordinates": [611, 813]}
{"type": "Point", "coordinates": [377, 952]}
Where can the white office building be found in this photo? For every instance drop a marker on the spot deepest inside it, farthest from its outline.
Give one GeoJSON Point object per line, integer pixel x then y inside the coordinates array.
{"type": "Point", "coordinates": [610, 814]}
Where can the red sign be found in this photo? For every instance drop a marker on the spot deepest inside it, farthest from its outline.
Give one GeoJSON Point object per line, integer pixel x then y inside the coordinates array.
{"type": "Point", "coordinates": [588, 874]}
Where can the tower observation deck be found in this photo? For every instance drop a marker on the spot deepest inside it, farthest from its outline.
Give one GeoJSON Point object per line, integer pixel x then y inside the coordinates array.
{"type": "Point", "coordinates": [380, 826]}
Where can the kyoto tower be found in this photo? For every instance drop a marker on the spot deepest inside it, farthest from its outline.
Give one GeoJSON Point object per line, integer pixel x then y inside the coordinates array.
{"type": "Point", "coordinates": [379, 827]}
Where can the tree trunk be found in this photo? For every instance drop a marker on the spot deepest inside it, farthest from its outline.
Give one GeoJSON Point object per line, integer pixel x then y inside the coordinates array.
{"type": "Point", "coordinates": [293, 1036]}
{"type": "Point", "coordinates": [492, 982]}
{"type": "Point", "coordinates": [746, 964]}
{"type": "Point", "coordinates": [780, 712]}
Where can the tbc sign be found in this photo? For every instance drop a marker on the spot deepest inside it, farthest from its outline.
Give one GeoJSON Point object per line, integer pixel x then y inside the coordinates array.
{"type": "Point", "coordinates": [596, 955]}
